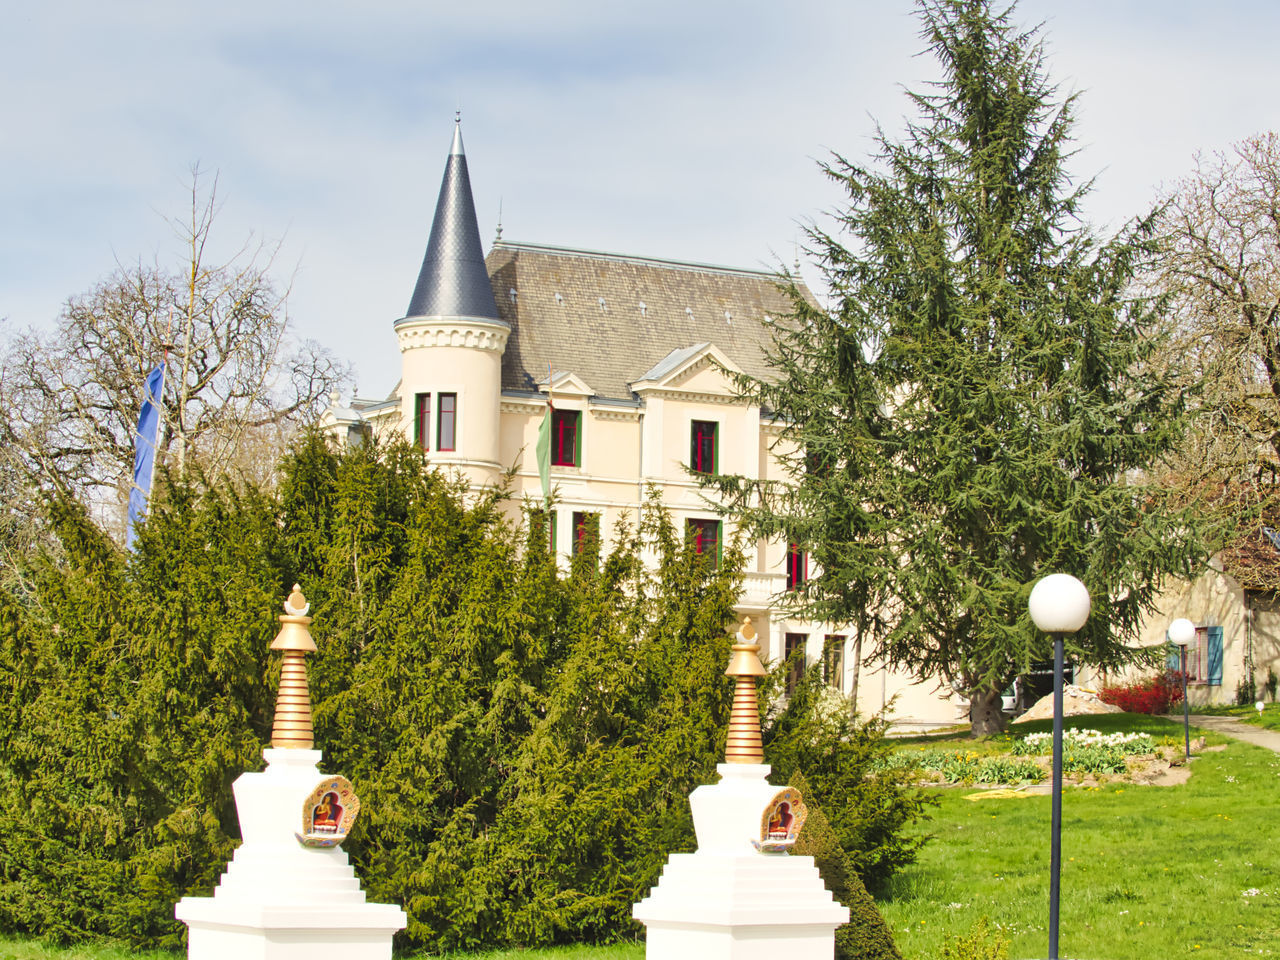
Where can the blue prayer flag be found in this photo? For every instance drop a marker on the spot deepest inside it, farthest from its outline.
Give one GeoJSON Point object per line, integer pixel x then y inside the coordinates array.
{"type": "Point", "coordinates": [144, 457]}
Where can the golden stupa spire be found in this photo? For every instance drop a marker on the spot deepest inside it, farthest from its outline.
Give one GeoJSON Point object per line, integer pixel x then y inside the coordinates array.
{"type": "Point", "coordinates": [743, 745]}
{"type": "Point", "coordinates": [292, 725]}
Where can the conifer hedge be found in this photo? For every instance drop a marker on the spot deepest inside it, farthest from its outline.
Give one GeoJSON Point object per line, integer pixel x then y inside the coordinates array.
{"type": "Point", "coordinates": [523, 738]}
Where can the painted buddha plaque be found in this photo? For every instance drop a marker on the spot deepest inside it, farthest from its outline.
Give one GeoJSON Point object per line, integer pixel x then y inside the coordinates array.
{"type": "Point", "coordinates": [328, 813]}
{"type": "Point", "coordinates": [781, 822]}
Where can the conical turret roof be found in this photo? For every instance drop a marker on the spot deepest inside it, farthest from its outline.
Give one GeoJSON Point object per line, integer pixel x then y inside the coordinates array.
{"type": "Point", "coordinates": [453, 281]}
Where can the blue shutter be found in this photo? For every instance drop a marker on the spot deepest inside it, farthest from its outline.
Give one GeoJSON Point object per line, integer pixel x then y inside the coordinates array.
{"type": "Point", "coordinates": [1172, 659]}
{"type": "Point", "coordinates": [1215, 656]}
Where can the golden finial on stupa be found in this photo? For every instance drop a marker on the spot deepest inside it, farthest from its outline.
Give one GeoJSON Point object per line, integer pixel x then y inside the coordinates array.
{"type": "Point", "coordinates": [743, 745]}
{"type": "Point", "coordinates": [292, 725]}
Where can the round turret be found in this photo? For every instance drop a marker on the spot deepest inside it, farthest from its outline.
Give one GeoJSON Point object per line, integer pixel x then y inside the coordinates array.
{"type": "Point", "coordinates": [452, 339]}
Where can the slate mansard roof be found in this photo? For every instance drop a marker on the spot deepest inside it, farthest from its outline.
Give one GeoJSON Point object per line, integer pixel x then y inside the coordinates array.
{"type": "Point", "coordinates": [609, 318]}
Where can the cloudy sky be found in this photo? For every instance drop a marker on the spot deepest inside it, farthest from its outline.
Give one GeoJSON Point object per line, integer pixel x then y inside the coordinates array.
{"type": "Point", "coordinates": [684, 130]}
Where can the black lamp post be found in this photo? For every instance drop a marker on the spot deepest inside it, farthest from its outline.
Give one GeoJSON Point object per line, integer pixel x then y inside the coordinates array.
{"type": "Point", "coordinates": [1059, 605]}
{"type": "Point", "coordinates": [1181, 632]}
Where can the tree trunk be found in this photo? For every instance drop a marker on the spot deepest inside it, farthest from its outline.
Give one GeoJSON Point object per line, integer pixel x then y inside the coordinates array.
{"type": "Point", "coordinates": [985, 716]}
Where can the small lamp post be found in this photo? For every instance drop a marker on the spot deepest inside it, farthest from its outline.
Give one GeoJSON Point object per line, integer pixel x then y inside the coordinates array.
{"type": "Point", "coordinates": [1181, 632]}
{"type": "Point", "coordinates": [1059, 605]}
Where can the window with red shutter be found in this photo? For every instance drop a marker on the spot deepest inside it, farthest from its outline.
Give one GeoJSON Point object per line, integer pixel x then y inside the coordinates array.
{"type": "Point", "coordinates": [703, 446]}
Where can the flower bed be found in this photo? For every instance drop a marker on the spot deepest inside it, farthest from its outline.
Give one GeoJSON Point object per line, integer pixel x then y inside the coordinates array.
{"type": "Point", "coordinates": [967, 766]}
{"type": "Point", "coordinates": [1158, 694]}
{"type": "Point", "coordinates": [1027, 760]}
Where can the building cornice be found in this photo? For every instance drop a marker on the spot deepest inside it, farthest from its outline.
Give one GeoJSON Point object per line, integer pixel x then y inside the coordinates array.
{"type": "Point", "coordinates": [530, 407]}
{"type": "Point", "coordinates": [598, 411]}
{"type": "Point", "coordinates": [772, 428]}
{"type": "Point", "coordinates": [625, 414]}
{"type": "Point", "coordinates": [693, 396]}
{"type": "Point", "coordinates": [421, 332]}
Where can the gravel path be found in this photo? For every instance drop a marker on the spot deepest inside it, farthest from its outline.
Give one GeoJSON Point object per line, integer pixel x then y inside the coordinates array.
{"type": "Point", "coordinates": [1230, 727]}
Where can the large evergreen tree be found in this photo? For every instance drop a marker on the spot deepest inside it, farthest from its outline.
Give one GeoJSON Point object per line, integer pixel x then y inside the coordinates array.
{"type": "Point", "coordinates": [975, 409]}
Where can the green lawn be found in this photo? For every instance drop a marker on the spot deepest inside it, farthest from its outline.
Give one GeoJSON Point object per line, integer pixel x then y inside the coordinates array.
{"type": "Point", "coordinates": [621, 951]}
{"type": "Point", "coordinates": [27, 950]}
{"type": "Point", "coordinates": [1268, 719]}
{"type": "Point", "coordinates": [1147, 871]}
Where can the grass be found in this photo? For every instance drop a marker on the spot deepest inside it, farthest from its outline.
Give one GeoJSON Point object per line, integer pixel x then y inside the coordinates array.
{"type": "Point", "coordinates": [32, 950]}
{"type": "Point", "coordinates": [1269, 719]}
{"type": "Point", "coordinates": [1147, 871]}
{"type": "Point", "coordinates": [618, 951]}
{"type": "Point", "coordinates": [1167, 872]}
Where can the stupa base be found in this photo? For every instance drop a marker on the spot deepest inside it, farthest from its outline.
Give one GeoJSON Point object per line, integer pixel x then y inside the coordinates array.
{"type": "Point", "coordinates": [687, 942]}
{"type": "Point", "coordinates": [218, 931]}
{"type": "Point", "coordinates": [279, 899]}
{"type": "Point", "coordinates": [740, 907]}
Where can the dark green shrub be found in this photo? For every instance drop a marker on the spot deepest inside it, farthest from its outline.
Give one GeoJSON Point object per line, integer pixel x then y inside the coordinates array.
{"type": "Point", "coordinates": [1247, 691]}
{"type": "Point", "coordinates": [866, 936]}
{"type": "Point", "coordinates": [523, 741]}
{"type": "Point", "coordinates": [869, 802]}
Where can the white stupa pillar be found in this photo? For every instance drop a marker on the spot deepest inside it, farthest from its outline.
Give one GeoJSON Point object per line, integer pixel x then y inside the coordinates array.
{"type": "Point", "coordinates": [742, 896]}
{"type": "Point", "coordinates": [289, 892]}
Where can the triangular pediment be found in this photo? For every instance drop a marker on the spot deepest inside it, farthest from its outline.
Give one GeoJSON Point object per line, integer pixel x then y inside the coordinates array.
{"type": "Point", "coordinates": [564, 383]}
{"type": "Point", "coordinates": [700, 368]}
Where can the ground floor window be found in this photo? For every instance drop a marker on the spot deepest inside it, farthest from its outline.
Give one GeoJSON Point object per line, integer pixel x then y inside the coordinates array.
{"type": "Point", "coordinates": [586, 532]}
{"type": "Point", "coordinates": [833, 660]}
{"type": "Point", "coordinates": [705, 537]}
{"type": "Point", "coordinates": [1204, 657]}
{"type": "Point", "coordinates": [797, 566]}
{"type": "Point", "coordinates": [542, 527]}
{"type": "Point", "coordinates": [793, 645]}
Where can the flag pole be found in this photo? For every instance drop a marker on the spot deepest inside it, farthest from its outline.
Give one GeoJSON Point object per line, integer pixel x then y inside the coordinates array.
{"type": "Point", "coordinates": [146, 441]}
{"type": "Point", "coordinates": [543, 449]}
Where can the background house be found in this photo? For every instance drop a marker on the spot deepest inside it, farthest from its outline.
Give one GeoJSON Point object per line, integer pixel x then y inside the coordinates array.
{"type": "Point", "coordinates": [634, 351]}
{"type": "Point", "coordinates": [1235, 608]}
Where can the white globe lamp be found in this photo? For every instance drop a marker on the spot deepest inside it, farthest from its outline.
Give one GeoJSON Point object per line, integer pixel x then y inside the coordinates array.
{"type": "Point", "coordinates": [1059, 604]}
{"type": "Point", "coordinates": [1181, 632]}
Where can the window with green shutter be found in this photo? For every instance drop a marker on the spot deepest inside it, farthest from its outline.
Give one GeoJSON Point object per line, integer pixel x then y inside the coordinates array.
{"type": "Point", "coordinates": [1214, 656]}
{"type": "Point", "coordinates": [1204, 657]}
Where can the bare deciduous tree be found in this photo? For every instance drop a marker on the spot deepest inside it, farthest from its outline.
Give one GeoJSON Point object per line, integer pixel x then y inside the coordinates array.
{"type": "Point", "coordinates": [1220, 263]}
{"type": "Point", "coordinates": [234, 373]}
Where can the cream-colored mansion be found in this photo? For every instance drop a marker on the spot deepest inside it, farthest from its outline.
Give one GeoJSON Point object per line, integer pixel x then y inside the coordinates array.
{"type": "Point", "coordinates": [633, 351]}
